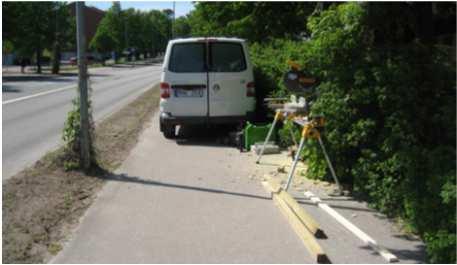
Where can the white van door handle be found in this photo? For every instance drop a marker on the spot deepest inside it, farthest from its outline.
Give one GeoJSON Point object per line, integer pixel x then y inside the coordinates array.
{"type": "Point", "coordinates": [216, 87]}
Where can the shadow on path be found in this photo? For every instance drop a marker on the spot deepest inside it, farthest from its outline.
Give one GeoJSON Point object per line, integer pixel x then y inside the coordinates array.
{"type": "Point", "coordinates": [418, 254]}
{"type": "Point", "coordinates": [201, 135]}
{"type": "Point", "coordinates": [9, 89]}
{"type": "Point", "coordinates": [138, 180]}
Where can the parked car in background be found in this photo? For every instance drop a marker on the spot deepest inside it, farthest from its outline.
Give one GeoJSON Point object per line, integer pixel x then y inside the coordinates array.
{"type": "Point", "coordinates": [206, 81]}
{"type": "Point", "coordinates": [90, 59]}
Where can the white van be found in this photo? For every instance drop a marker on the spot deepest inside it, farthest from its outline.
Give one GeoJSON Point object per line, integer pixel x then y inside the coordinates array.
{"type": "Point", "coordinates": [205, 81]}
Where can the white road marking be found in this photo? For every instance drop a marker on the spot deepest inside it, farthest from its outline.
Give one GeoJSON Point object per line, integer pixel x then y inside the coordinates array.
{"type": "Point", "coordinates": [58, 90]}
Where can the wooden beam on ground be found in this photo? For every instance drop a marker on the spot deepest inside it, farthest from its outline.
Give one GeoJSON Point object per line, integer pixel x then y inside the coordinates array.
{"type": "Point", "coordinates": [296, 222]}
{"type": "Point", "coordinates": [309, 222]}
{"type": "Point", "coordinates": [305, 218]}
{"type": "Point", "coordinates": [307, 238]}
{"type": "Point", "coordinates": [389, 257]}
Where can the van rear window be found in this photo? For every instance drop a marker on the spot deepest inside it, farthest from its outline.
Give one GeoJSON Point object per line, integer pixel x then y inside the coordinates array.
{"type": "Point", "coordinates": [227, 57]}
{"type": "Point", "coordinates": [187, 58]}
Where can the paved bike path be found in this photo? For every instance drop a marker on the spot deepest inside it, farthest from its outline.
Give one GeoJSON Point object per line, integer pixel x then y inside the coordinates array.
{"type": "Point", "coordinates": [183, 202]}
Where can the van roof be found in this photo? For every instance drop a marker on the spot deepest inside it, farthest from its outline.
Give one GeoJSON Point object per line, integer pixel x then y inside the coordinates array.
{"type": "Point", "coordinates": [204, 38]}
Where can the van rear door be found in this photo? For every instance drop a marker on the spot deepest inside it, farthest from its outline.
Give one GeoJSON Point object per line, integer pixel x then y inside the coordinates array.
{"type": "Point", "coordinates": [228, 77]}
{"type": "Point", "coordinates": [187, 73]}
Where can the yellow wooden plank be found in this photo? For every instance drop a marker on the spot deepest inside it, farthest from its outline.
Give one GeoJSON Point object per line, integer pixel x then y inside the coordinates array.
{"type": "Point", "coordinates": [305, 218]}
{"type": "Point", "coordinates": [307, 238]}
{"type": "Point", "coordinates": [275, 188]}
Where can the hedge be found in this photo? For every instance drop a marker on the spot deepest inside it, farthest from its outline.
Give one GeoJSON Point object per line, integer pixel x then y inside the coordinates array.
{"type": "Point", "coordinates": [391, 119]}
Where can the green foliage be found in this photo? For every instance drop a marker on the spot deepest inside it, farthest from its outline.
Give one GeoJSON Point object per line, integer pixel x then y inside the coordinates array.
{"type": "Point", "coordinates": [110, 32]}
{"type": "Point", "coordinates": [269, 60]}
{"type": "Point", "coordinates": [181, 27]}
{"type": "Point", "coordinates": [104, 39]}
{"type": "Point", "coordinates": [65, 33]}
{"type": "Point", "coordinates": [7, 46]}
{"type": "Point", "coordinates": [30, 27]}
{"type": "Point", "coordinates": [33, 27]}
{"type": "Point", "coordinates": [160, 30]}
{"type": "Point", "coordinates": [441, 246]}
{"type": "Point", "coordinates": [286, 133]}
{"type": "Point", "coordinates": [254, 21]}
{"type": "Point", "coordinates": [71, 136]}
{"type": "Point", "coordinates": [147, 32]}
{"type": "Point", "coordinates": [390, 110]}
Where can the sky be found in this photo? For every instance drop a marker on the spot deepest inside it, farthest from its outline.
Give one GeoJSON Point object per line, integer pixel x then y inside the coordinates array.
{"type": "Point", "coordinates": [182, 7]}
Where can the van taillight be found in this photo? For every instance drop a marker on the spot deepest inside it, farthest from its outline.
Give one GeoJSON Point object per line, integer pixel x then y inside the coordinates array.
{"type": "Point", "coordinates": [250, 89]}
{"type": "Point", "coordinates": [164, 90]}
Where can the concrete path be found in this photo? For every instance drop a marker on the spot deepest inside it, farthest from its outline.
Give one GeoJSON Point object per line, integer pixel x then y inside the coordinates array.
{"type": "Point", "coordinates": [183, 202]}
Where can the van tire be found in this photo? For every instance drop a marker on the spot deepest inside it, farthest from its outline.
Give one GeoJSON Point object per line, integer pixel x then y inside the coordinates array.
{"type": "Point", "coordinates": [162, 126]}
{"type": "Point", "coordinates": [169, 131]}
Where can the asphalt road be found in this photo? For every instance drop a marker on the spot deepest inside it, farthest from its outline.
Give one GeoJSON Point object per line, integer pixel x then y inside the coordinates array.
{"type": "Point", "coordinates": [35, 107]}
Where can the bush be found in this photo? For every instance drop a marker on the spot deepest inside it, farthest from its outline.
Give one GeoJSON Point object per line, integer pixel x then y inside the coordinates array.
{"type": "Point", "coordinates": [390, 114]}
{"type": "Point", "coordinates": [269, 62]}
{"type": "Point", "coordinates": [72, 139]}
{"type": "Point", "coordinates": [70, 136]}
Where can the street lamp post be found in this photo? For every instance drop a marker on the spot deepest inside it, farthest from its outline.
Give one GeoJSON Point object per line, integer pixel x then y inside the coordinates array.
{"type": "Point", "coordinates": [83, 95]}
{"type": "Point", "coordinates": [173, 22]}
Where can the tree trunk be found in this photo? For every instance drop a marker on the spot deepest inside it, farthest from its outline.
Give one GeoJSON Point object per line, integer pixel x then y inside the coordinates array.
{"type": "Point", "coordinates": [38, 60]}
{"type": "Point", "coordinates": [56, 59]}
{"type": "Point", "coordinates": [116, 57]}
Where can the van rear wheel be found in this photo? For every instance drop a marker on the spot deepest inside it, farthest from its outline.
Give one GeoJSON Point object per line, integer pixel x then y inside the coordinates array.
{"type": "Point", "coordinates": [169, 131]}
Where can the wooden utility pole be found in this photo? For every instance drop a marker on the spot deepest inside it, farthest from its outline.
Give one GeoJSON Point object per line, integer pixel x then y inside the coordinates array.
{"type": "Point", "coordinates": [82, 82]}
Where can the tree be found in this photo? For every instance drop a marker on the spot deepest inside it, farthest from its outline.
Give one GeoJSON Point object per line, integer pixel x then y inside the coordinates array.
{"type": "Point", "coordinates": [64, 33]}
{"type": "Point", "coordinates": [32, 29]}
{"type": "Point", "coordinates": [110, 35]}
{"type": "Point", "coordinates": [104, 40]}
{"type": "Point", "coordinates": [159, 30]}
{"type": "Point", "coordinates": [255, 21]}
{"type": "Point", "coordinates": [147, 28]}
{"type": "Point", "coordinates": [169, 13]}
{"type": "Point", "coordinates": [134, 30]}
{"type": "Point", "coordinates": [9, 12]}
{"type": "Point", "coordinates": [182, 28]}
{"type": "Point", "coordinates": [115, 19]}
{"type": "Point", "coordinates": [145, 32]}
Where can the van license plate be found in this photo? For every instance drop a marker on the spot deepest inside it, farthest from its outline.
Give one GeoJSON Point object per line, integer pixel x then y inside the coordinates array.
{"type": "Point", "coordinates": [190, 93]}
